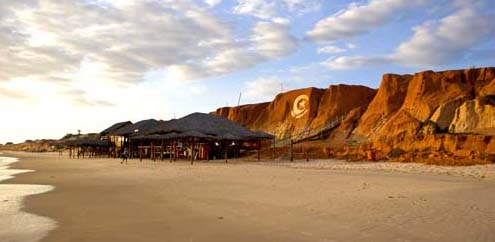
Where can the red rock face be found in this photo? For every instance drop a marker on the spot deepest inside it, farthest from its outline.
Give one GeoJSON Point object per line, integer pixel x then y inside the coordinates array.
{"type": "Point", "coordinates": [387, 102]}
{"type": "Point", "coordinates": [295, 111]}
{"type": "Point", "coordinates": [399, 115]}
{"type": "Point", "coordinates": [404, 102]}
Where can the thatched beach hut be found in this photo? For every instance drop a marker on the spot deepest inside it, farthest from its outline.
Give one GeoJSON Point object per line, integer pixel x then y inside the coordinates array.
{"type": "Point", "coordinates": [86, 145]}
{"type": "Point", "coordinates": [140, 128]}
{"type": "Point", "coordinates": [196, 136]}
{"type": "Point", "coordinates": [116, 140]}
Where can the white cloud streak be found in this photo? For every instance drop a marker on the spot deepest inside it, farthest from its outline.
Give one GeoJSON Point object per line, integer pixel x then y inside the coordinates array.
{"type": "Point", "coordinates": [359, 19]}
{"type": "Point", "coordinates": [271, 9]}
{"type": "Point", "coordinates": [433, 43]}
{"type": "Point", "coordinates": [262, 89]}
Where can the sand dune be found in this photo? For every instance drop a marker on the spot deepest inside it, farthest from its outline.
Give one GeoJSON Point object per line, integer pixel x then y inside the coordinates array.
{"type": "Point", "coordinates": [101, 200]}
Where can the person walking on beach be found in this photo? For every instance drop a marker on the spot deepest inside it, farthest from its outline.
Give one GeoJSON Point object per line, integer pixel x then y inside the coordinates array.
{"type": "Point", "coordinates": [125, 154]}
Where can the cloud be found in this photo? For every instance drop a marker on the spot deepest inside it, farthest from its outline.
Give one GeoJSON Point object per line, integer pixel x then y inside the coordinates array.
{"type": "Point", "coordinates": [50, 39]}
{"type": "Point", "coordinates": [447, 40]}
{"type": "Point", "coordinates": [433, 43]}
{"type": "Point", "coordinates": [270, 9]}
{"type": "Point", "coordinates": [330, 49]}
{"type": "Point", "coordinates": [352, 62]}
{"type": "Point", "coordinates": [268, 41]}
{"type": "Point", "coordinates": [79, 98]}
{"type": "Point", "coordinates": [262, 89]}
{"type": "Point", "coordinates": [359, 19]}
{"type": "Point", "coordinates": [272, 40]}
{"type": "Point", "coordinates": [213, 3]}
{"type": "Point", "coordinates": [10, 94]}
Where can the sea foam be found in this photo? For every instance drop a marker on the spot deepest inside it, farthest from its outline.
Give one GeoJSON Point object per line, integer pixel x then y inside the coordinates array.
{"type": "Point", "coordinates": [15, 224]}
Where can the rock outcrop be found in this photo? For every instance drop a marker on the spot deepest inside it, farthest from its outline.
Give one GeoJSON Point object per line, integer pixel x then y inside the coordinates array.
{"type": "Point", "coordinates": [404, 103]}
{"type": "Point", "coordinates": [427, 116]}
{"type": "Point", "coordinates": [388, 100]}
{"type": "Point", "coordinates": [475, 116]}
{"type": "Point", "coordinates": [298, 111]}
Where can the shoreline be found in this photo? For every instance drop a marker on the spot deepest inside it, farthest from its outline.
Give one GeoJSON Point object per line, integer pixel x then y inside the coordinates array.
{"type": "Point", "coordinates": [101, 200]}
{"type": "Point", "coordinates": [16, 224]}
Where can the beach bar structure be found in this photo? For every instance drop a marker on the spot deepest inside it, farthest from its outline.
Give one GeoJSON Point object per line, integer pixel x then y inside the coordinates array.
{"type": "Point", "coordinates": [116, 141]}
{"type": "Point", "coordinates": [197, 136]}
{"type": "Point", "coordinates": [86, 147]}
{"type": "Point", "coordinates": [124, 133]}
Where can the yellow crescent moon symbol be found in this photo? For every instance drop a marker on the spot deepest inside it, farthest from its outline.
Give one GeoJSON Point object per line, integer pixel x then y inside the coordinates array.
{"type": "Point", "coordinates": [300, 106]}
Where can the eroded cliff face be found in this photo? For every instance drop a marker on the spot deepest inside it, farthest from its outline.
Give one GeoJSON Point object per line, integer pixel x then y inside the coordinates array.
{"type": "Point", "coordinates": [299, 110]}
{"type": "Point", "coordinates": [387, 102]}
{"type": "Point", "coordinates": [475, 116]}
{"type": "Point", "coordinates": [438, 114]}
{"type": "Point", "coordinates": [404, 103]}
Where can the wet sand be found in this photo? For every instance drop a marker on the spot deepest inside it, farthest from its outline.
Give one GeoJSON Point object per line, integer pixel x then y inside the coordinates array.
{"type": "Point", "coordinates": [102, 200]}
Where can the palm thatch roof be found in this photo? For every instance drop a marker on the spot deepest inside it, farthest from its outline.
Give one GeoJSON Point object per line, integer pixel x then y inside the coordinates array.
{"type": "Point", "coordinates": [202, 125]}
{"type": "Point", "coordinates": [83, 140]}
{"type": "Point", "coordinates": [110, 130]}
{"type": "Point", "coordinates": [88, 142]}
{"type": "Point", "coordinates": [140, 128]}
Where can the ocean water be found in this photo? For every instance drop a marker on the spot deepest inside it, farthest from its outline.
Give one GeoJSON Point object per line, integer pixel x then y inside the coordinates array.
{"type": "Point", "coordinates": [15, 224]}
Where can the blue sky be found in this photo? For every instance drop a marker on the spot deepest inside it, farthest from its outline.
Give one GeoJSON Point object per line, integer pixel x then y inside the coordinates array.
{"type": "Point", "coordinates": [84, 65]}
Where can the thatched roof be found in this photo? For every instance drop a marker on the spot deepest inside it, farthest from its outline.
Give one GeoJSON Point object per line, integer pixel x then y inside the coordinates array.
{"type": "Point", "coordinates": [110, 130]}
{"type": "Point", "coordinates": [174, 135]}
{"type": "Point", "coordinates": [88, 142]}
{"type": "Point", "coordinates": [140, 128]}
{"type": "Point", "coordinates": [202, 125]}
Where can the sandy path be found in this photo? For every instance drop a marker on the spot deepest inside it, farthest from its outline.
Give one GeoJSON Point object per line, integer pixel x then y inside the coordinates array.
{"type": "Point", "coordinates": [101, 200]}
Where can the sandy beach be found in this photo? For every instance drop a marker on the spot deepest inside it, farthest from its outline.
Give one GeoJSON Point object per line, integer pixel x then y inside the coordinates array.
{"type": "Point", "coordinates": [102, 200]}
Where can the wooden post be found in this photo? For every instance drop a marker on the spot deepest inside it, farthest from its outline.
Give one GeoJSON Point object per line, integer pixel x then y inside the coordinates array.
{"type": "Point", "coordinates": [291, 150]}
{"type": "Point", "coordinates": [208, 151]}
{"type": "Point", "coordinates": [152, 151]}
{"type": "Point", "coordinates": [192, 152]}
{"type": "Point", "coordinates": [171, 150]}
{"type": "Point", "coordinates": [273, 148]}
{"type": "Point", "coordinates": [259, 150]}
{"type": "Point", "coordinates": [226, 151]}
{"type": "Point", "coordinates": [130, 148]}
{"type": "Point", "coordinates": [175, 150]}
{"type": "Point", "coordinates": [162, 151]}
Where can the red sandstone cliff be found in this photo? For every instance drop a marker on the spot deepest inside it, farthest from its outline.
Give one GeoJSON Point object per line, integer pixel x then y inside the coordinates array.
{"type": "Point", "coordinates": [405, 103]}
{"type": "Point", "coordinates": [293, 112]}
{"type": "Point", "coordinates": [428, 114]}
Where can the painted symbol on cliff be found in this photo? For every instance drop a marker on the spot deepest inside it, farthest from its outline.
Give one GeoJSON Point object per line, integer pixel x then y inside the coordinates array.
{"type": "Point", "coordinates": [300, 106]}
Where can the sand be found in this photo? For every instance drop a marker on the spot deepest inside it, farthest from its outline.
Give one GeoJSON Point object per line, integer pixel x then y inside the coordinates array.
{"type": "Point", "coordinates": [101, 200]}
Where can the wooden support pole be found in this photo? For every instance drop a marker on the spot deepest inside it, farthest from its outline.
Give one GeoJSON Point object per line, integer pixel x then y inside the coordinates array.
{"type": "Point", "coordinates": [208, 151]}
{"type": "Point", "coordinates": [192, 152]}
{"type": "Point", "coordinates": [259, 150]}
{"type": "Point", "coordinates": [226, 151]}
{"type": "Point", "coordinates": [175, 150]}
{"type": "Point", "coordinates": [273, 149]}
{"type": "Point", "coordinates": [130, 148]}
{"type": "Point", "coordinates": [152, 151]}
{"type": "Point", "coordinates": [162, 151]}
{"type": "Point", "coordinates": [291, 150]}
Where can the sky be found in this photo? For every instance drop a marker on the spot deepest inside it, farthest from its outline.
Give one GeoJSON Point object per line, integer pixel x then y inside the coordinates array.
{"type": "Point", "coordinates": [69, 65]}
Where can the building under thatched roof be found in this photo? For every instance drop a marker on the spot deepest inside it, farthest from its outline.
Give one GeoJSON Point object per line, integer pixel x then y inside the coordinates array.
{"type": "Point", "coordinates": [198, 134]}
{"type": "Point", "coordinates": [88, 143]}
{"type": "Point", "coordinates": [207, 126]}
{"type": "Point", "coordinates": [140, 128]}
{"type": "Point", "coordinates": [111, 130]}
